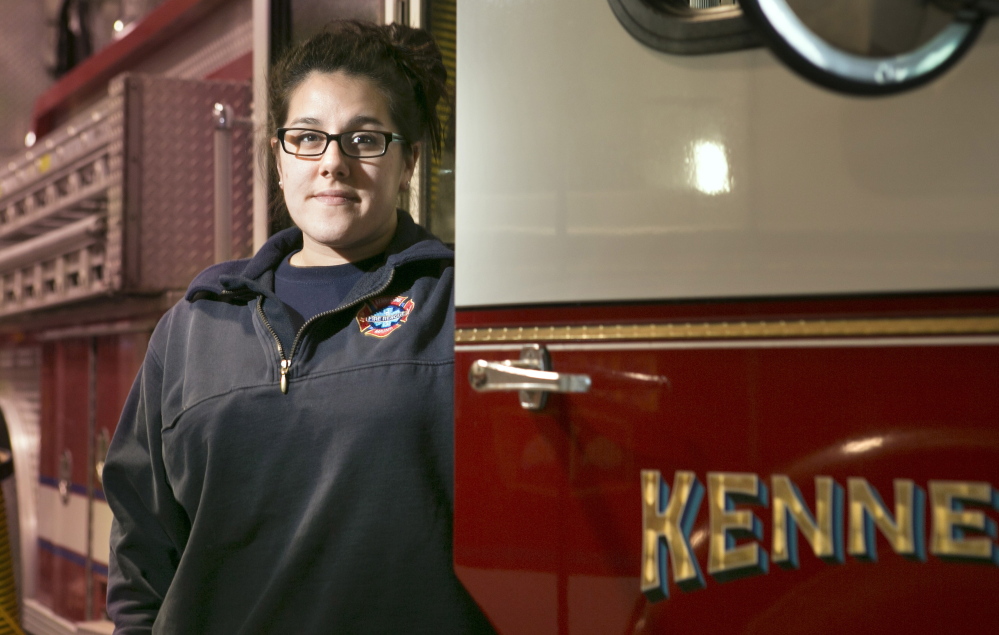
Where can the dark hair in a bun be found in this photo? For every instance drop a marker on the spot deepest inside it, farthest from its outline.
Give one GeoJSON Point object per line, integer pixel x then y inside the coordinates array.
{"type": "Point", "coordinates": [403, 62]}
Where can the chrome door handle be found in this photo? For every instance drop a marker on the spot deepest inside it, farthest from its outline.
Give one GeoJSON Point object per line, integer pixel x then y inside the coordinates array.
{"type": "Point", "coordinates": [531, 376]}
{"type": "Point", "coordinates": [496, 376]}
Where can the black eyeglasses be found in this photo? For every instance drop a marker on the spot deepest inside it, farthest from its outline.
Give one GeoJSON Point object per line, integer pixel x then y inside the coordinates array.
{"type": "Point", "coordinates": [361, 144]}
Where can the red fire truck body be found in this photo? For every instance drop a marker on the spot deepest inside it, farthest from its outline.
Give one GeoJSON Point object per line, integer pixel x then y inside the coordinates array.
{"type": "Point", "coordinates": [763, 317]}
{"type": "Point", "coordinates": [727, 346]}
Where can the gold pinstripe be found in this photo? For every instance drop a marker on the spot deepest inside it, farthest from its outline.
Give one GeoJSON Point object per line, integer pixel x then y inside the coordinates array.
{"type": "Point", "coordinates": [734, 330]}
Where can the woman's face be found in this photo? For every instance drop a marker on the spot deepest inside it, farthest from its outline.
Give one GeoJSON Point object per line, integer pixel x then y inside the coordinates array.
{"type": "Point", "coordinates": [344, 206]}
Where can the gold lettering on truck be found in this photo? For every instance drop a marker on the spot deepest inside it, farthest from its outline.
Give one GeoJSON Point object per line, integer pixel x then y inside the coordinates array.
{"type": "Point", "coordinates": [951, 519]}
{"type": "Point", "coordinates": [666, 532]}
{"type": "Point", "coordinates": [823, 530]}
{"type": "Point", "coordinates": [726, 560]}
{"type": "Point", "coordinates": [904, 530]}
{"type": "Point", "coordinates": [961, 529]}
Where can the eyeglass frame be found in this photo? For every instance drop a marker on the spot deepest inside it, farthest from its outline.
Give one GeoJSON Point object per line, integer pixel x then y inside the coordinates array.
{"type": "Point", "coordinates": [389, 138]}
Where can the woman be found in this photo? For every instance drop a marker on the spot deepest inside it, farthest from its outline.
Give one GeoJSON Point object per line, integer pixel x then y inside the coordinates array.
{"type": "Point", "coordinates": [284, 461]}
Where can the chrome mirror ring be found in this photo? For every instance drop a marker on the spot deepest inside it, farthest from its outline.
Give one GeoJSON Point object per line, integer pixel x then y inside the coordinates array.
{"type": "Point", "coordinates": [826, 65]}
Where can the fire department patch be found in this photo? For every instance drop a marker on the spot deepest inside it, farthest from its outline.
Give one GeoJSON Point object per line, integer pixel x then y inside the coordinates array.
{"type": "Point", "coordinates": [381, 316]}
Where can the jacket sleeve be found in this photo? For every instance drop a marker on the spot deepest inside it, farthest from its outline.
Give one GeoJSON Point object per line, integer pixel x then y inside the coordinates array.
{"type": "Point", "coordinates": [150, 527]}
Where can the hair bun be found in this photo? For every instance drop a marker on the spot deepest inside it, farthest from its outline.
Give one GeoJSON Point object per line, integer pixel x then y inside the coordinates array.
{"type": "Point", "coordinates": [419, 56]}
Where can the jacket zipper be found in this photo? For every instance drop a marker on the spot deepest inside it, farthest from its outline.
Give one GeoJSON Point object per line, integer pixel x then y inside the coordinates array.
{"type": "Point", "coordinates": [285, 364]}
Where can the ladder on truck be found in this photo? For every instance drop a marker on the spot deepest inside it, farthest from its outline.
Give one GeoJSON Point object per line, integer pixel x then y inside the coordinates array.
{"type": "Point", "coordinates": [120, 198]}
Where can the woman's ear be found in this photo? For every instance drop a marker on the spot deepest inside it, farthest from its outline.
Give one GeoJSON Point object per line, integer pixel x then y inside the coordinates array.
{"type": "Point", "coordinates": [277, 161]}
{"type": "Point", "coordinates": [409, 167]}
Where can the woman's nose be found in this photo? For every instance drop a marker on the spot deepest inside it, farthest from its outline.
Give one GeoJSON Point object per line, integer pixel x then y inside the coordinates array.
{"type": "Point", "coordinates": [334, 161]}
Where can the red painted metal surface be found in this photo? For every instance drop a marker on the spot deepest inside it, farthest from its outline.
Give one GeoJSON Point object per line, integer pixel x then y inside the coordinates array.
{"type": "Point", "coordinates": [65, 408]}
{"type": "Point", "coordinates": [64, 428]}
{"type": "Point", "coordinates": [119, 358]}
{"type": "Point", "coordinates": [100, 591]}
{"type": "Point", "coordinates": [548, 526]}
{"type": "Point", "coordinates": [239, 70]}
{"type": "Point", "coordinates": [61, 585]}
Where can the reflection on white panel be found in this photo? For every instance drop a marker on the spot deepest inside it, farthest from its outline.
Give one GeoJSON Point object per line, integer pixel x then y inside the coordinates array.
{"type": "Point", "coordinates": [709, 168]}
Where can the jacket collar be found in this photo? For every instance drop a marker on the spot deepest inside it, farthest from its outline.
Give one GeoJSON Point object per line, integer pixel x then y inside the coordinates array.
{"type": "Point", "coordinates": [255, 276]}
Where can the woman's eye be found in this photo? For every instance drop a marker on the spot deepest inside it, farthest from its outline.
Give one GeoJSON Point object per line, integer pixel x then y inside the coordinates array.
{"type": "Point", "coordinates": [363, 139]}
{"type": "Point", "coordinates": [305, 141]}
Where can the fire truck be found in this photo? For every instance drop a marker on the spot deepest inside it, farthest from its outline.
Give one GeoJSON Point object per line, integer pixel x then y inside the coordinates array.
{"type": "Point", "coordinates": [137, 171]}
{"type": "Point", "coordinates": [727, 344]}
{"type": "Point", "coordinates": [727, 302]}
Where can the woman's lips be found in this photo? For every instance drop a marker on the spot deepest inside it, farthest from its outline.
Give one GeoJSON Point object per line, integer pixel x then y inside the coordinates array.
{"type": "Point", "coordinates": [336, 197]}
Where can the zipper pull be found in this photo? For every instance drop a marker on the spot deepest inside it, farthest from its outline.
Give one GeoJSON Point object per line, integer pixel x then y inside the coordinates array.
{"type": "Point", "coordinates": [285, 365]}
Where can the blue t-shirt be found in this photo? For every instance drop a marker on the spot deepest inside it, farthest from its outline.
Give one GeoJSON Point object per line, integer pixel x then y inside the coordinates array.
{"type": "Point", "coordinates": [308, 291]}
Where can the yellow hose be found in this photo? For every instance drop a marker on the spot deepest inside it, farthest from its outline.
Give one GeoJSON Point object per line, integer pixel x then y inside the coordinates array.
{"type": "Point", "coordinates": [9, 614]}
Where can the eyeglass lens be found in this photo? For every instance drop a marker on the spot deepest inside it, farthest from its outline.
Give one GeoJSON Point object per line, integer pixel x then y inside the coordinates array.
{"type": "Point", "coordinates": [355, 144]}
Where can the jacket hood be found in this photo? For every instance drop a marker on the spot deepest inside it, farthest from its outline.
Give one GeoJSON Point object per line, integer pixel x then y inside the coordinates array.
{"type": "Point", "coordinates": [253, 276]}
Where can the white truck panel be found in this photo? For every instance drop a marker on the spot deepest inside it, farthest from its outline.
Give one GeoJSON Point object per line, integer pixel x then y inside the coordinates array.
{"type": "Point", "coordinates": [616, 172]}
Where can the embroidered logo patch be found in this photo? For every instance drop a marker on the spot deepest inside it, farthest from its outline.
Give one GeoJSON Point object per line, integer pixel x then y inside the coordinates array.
{"type": "Point", "coordinates": [381, 316]}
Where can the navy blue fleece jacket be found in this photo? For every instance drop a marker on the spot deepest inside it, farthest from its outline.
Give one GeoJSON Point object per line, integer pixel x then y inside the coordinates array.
{"type": "Point", "coordinates": [241, 508]}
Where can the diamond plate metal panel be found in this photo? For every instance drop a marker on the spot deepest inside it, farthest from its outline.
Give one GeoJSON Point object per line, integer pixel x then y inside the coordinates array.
{"type": "Point", "coordinates": [121, 197]}
{"type": "Point", "coordinates": [242, 186]}
{"type": "Point", "coordinates": [168, 213]}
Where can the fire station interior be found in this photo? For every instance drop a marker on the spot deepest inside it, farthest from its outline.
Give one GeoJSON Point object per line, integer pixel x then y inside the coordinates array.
{"type": "Point", "coordinates": [92, 251]}
{"type": "Point", "coordinates": [98, 239]}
